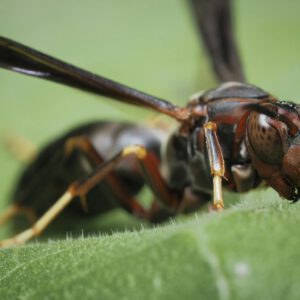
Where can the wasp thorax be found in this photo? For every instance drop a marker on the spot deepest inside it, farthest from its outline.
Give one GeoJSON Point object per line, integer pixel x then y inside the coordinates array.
{"type": "Point", "coordinates": [264, 139]}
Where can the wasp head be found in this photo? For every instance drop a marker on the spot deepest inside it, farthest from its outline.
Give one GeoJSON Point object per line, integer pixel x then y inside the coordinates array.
{"type": "Point", "coordinates": [273, 142]}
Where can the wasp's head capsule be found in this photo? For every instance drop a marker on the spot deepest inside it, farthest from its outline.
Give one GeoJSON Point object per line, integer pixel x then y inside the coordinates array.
{"type": "Point", "coordinates": [291, 162]}
{"type": "Point", "coordinates": [273, 142]}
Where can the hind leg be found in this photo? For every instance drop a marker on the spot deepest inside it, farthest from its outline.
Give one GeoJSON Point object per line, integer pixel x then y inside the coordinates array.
{"type": "Point", "coordinates": [21, 148]}
{"type": "Point", "coordinates": [15, 210]}
{"type": "Point", "coordinates": [81, 187]}
{"type": "Point", "coordinates": [125, 200]}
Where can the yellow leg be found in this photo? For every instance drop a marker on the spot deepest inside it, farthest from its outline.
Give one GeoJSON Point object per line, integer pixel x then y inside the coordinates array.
{"type": "Point", "coordinates": [218, 203]}
{"type": "Point", "coordinates": [14, 210]}
{"type": "Point", "coordinates": [9, 213]}
{"type": "Point", "coordinates": [81, 187]}
{"type": "Point", "coordinates": [216, 161]}
{"type": "Point", "coordinates": [21, 148]}
{"type": "Point", "coordinates": [41, 224]}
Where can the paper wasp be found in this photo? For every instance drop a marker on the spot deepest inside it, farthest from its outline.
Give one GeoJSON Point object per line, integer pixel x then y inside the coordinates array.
{"type": "Point", "coordinates": [236, 135]}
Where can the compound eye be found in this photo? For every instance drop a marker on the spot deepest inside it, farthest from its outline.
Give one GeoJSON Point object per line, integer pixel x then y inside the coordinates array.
{"type": "Point", "coordinates": [264, 139]}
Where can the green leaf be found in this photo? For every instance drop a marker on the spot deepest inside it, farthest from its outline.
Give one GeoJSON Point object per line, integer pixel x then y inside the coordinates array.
{"type": "Point", "coordinates": [246, 252]}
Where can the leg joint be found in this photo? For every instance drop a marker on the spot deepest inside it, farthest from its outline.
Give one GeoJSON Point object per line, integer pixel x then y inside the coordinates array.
{"type": "Point", "coordinates": [139, 151]}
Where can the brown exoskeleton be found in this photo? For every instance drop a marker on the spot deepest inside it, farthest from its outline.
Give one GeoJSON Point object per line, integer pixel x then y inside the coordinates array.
{"type": "Point", "coordinates": [236, 135]}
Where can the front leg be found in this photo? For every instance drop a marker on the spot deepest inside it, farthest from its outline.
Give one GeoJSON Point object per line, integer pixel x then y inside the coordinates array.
{"type": "Point", "coordinates": [216, 161]}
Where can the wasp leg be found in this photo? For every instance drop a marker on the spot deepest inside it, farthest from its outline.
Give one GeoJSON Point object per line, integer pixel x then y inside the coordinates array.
{"type": "Point", "coordinates": [156, 213]}
{"type": "Point", "coordinates": [127, 201]}
{"type": "Point", "coordinates": [14, 210]}
{"type": "Point", "coordinates": [9, 213]}
{"type": "Point", "coordinates": [21, 148]}
{"type": "Point", "coordinates": [41, 223]}
{"type": "Point", "coordinates": [149, 166]}
{"type": "Point", "coordinates": [82, 186]}
{"type": "Point", "coordinates": [216, 161]}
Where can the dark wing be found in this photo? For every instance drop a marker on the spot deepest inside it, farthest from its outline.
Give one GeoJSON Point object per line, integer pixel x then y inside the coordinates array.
{"type": "Point", "coordinates": [19, 58]}
{"type": "Point", "coordinates": [215, 26]}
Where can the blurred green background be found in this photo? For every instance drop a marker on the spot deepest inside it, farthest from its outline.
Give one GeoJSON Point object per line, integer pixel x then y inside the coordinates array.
{"type": "Point", "coordinates": [150, 45]}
